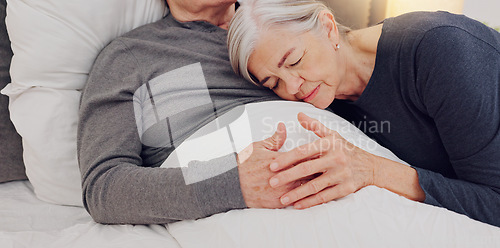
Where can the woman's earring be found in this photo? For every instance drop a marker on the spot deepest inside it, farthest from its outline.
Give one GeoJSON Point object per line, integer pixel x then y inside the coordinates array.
{"type": "Point", "coordinates": [337, 46]}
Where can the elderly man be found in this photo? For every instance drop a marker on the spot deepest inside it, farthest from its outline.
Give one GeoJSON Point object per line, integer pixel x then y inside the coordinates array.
{"type": "Point", "coordinates": [147, 92]}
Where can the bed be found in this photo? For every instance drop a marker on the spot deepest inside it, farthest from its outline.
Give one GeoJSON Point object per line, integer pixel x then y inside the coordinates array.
{"type": "Point", "coordinates": [371, 217]}
{"type": "Point", "coordinates": [54, 43]}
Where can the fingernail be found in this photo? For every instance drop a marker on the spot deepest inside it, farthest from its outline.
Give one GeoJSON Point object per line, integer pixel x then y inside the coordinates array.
{"type": "Point", "coordinates": [273, 182]}
{"type": "Point", "coordinates": [285, 200]}
{"type": "Point", "coordinates": [274, 166]}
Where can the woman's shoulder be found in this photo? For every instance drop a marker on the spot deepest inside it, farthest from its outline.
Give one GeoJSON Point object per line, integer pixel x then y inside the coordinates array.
{"type": "Point", "coordinates": [425, 20]}
{"type": "Point", "coordinates": [415, 25]}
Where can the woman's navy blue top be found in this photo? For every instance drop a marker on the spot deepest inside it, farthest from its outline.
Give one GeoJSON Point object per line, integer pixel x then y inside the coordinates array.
{"type": "Point", "coordinates": [434, 100]}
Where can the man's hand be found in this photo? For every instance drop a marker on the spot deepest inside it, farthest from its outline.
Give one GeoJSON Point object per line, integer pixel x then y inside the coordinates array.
{"type": "Point", "coordinates": [253, 166]}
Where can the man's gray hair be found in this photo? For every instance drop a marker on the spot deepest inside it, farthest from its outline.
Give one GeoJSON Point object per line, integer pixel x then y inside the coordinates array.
{"type": "Point", "coordinates": [254, 17]}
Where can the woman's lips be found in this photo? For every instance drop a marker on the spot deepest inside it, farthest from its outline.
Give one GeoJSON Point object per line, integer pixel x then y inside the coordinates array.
{"type": "Point", "coordinates": [311, 95]}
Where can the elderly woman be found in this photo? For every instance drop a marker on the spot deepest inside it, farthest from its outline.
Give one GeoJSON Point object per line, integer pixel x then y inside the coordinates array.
{"type": "Point", "coordinates": [433, 76]}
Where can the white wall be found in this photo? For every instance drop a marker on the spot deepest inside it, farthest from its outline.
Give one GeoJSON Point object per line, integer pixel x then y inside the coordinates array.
{"type": "Point", "coordinates": [398, 7]}
{"type": "Point", "coordinates": [484, 11]}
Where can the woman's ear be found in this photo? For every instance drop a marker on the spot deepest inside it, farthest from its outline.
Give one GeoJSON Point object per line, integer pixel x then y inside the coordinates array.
{"type": "Point", "coordinates": [329, 25]}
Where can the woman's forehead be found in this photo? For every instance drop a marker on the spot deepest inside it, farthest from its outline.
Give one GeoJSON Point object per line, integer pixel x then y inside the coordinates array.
{"type": "Point", "coordinates": [270, 48]}
{"type": "Point", "coordinates": [270, 54]}
{"type": "Point", "coordinates": [276, 43]}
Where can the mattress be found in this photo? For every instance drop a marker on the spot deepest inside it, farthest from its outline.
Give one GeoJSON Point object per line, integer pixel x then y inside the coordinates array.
{"type": "Point", "coordinates": [372, 217]}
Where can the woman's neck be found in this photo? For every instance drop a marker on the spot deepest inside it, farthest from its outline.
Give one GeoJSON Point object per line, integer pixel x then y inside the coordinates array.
{"type": "Point", "coordinates": [217, 15]}
{"type": "Point", "coordinates": [361, 50]}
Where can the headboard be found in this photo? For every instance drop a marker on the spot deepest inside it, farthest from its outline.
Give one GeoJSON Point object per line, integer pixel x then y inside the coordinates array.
{"type": "Point", "coordinates": [11, 151]}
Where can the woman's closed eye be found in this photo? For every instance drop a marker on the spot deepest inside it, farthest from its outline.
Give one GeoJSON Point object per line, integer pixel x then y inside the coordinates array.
{"type": "Point", "coordinates": [296, 63]}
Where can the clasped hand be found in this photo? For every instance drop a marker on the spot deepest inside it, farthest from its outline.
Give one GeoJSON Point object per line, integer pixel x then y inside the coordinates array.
{"type": "Point", "coordinates": [340, 167]}
{"type": "Point", "coordinates": [324, 170]}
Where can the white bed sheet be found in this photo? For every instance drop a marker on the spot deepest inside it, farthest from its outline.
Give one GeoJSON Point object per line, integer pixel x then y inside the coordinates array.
{"type": "Point", "coordinates": [26, 221]}
{"type": "Point", "coordinates": [372, 217]}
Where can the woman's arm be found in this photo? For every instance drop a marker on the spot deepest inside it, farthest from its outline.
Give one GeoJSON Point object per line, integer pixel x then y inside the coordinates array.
{"type": "Point", "coordinates": [459, 83]}
{"type": "Point", "coordinates": [398, 178]}
{"type": "Point", "coordinates": [342, 168]}
{"type": "Point", "coordinates": [460, 91]}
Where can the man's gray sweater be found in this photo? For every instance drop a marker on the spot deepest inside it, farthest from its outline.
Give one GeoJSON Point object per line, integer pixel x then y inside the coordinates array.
{"type": "Point", "coordinates": [147, 92]}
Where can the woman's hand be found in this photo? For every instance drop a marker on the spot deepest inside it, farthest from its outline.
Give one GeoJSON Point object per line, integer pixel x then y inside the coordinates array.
{"type": "Point", "coordinates": [341, 168]}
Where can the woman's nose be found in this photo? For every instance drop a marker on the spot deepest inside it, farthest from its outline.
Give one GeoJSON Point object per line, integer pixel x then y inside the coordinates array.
{"type": "Point", "coordinates": [293, 84]}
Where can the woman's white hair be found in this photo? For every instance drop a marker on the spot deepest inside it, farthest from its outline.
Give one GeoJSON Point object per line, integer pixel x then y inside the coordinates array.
{"type": "Point", "coordinates": [256, 16]}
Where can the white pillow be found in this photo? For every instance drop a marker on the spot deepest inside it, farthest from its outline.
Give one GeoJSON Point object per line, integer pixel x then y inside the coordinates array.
{"type": "Point", "coordinates": [55, 43]}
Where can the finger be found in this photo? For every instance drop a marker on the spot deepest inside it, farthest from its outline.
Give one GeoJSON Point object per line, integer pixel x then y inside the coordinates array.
{"type": "Point", "coordinates": [300, 154]}
{"type": "Point", "coordinates": [312, 188]}
{"type": "Point", "coordinates": [300, 171]}
{"type": "Point", "coordinates": [314, 125]}
{"type": "Point", "coordinates": [309, 178]}
{"type": "Point", "coordinates": [276, 141]}
{"type": "Point", "coordinates": [327, 195]}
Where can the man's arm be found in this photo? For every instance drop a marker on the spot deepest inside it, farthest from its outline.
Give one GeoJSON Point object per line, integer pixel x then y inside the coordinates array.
{"type": "Point", "coordinates": [116, 186]}
{"type": "Point", "coordinates": [120, 184]}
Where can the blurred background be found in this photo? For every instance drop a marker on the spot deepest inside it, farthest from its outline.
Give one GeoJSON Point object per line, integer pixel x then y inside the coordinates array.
{"type": "Point", "coordinates": [487, 11]}
{"type": "Point", "coordinates": [363, 13]}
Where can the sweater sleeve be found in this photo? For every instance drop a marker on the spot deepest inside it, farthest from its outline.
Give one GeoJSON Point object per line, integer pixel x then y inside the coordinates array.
{"type": "Point", "coordinates": [117, 187]}
{"type": "Point", "coordinates": [459, 75]}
